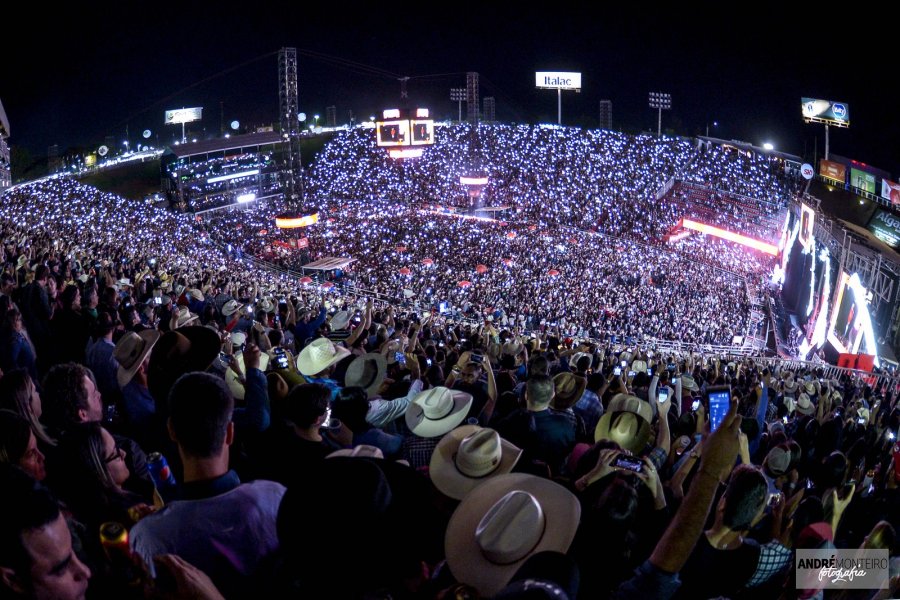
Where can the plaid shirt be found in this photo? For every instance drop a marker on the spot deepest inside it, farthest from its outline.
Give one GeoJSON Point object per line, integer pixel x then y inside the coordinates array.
{"type": "Point", "coordinates": [773, 559]}
{"type": "Point", "coordinates": [590, 408]}
{"type": "Point", "coordinates": [418, 450]}
{"type": "Point", "coordinates": [658, 457]}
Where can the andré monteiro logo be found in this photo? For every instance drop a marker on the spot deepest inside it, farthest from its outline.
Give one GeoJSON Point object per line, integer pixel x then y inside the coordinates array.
{"type": "Point", "coordinates": [839, 110]}
{"type": "Point", "coordinates": [842, 569]}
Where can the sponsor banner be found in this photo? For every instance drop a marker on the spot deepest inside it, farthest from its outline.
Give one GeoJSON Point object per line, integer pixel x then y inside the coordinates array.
{"type": "Point", "coordinates": [886, 227]}
{"type": "Point", "coordinates": [826, 111]}
{"type": "Point", "coordinates": [841, 569]}
{"type": "Point", "coordinates": [303, 242]}
{"type": "Point", "coordinates": [557, 79]}
{"type": "Point", "coordinates": [862, 180]}
{"type": "Point", "coordinates": [833, 170]}
{"type": "Point", "coordinates": [807, 171]}
{"type": "Point", "coordinates": [184, 115]}
{"type": "Point", "coordinates": [890, 191]}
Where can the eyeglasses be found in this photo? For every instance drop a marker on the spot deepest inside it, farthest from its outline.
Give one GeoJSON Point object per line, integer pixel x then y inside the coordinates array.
{"type": "Point", "coordinates": [117, 453]}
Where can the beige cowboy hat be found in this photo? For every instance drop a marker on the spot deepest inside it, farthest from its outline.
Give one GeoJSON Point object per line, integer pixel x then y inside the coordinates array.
{"type": "Point", "coordinates": [468, 456]}
{"type": "Point", "coordinates": [131, 351]}
{"type": "Point", "coordinates": [231, 307]}
{"type": "Point", "coordinates": [568, 390]}
{"type": "Point", "coordinates": [434, 412]}
{"type": "Point", "coordinates": [367, 371]}
{"type": "Point", "coordinates": [626, 422]}
{"type": "Point", "coordinates": [320, 354]}
{"type": "Point", "coordinates": [504, 521]}
{"type": "Point", "coordinates": [340, 320]}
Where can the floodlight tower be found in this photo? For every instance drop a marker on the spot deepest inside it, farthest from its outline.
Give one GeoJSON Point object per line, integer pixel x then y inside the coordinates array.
{"type": "Point", "coordinates": [660, 101]}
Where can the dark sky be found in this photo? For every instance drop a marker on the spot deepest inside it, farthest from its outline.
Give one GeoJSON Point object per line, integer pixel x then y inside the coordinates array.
{"type": "Point", "coordinates": [79, 74]}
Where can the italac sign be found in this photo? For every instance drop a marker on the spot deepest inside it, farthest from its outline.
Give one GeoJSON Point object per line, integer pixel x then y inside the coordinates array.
{"type": "Point", "coordinates": [557, 80]}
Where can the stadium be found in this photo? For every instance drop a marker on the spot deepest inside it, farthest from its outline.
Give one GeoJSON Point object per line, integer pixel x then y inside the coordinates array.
{"type": "Point", "coordinates": [319, 328]}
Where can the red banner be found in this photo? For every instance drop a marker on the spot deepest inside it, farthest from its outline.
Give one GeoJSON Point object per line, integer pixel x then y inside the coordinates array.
{"type": "Point", "coordinates": [833, 170]}
{"type": "Point", "coordinates": [303, 243]}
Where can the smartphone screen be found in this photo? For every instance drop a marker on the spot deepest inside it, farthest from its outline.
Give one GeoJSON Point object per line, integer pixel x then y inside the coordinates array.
{"type": "Point", "coordinates": [400, 358]}
{"type": "Point", "coordinates": [719, 401]}
{"type": "Point", "coordinates": [617, 371]}
{"type": "Point", "coordinates": [631, 463]}
{"type": "Point", "coordinates": [663, 395]}
{"type": "Point", "coordinates": [695, 405]}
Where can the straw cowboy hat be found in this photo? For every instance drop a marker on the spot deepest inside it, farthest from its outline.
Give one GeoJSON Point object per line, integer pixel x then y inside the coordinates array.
{"type": "Point", "coordinates": [626, 422]}
{"type": "Point", "coordinates": [504, 521]}
{"type": "Point", "coordinates": [568, 390]}
{"type": "Point", "coordinates": [131, 351]}
{"type": "Point", "coordinates": [340, 320]}
{"type": "Point", "coordinates": [320, 354]}
{"type": "Point", "coordinates": [804, 405]}
{"type": "Point", "coordinates": [266, 305]}
{"type": "Point", "coordinates": [688, 383]}
{"type": "Point", "coordinates": [231, 307]}
{"type": "Point", "coordinates": [434, 412]}
{"type": "Point", "coordinates": [367, 371]}
{"type": "Point", "coordinates": [184, 317]}
{"type": "Point", "coordinates": [196, 294]}
{"type": "Point", "coordinates": [467, 457]}
{"type": "Point", "coordinates": [361, 451]}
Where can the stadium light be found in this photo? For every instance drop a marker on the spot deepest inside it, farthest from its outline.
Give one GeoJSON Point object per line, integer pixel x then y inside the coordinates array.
{"type": "Point", "coordinates": [768, 146]}
{"type": "Point", "coordinates": [715, 124]}
{"type": "Point", "coordinates": [660, 101]}
{"type": "Point", "coordinates": [316, 117]}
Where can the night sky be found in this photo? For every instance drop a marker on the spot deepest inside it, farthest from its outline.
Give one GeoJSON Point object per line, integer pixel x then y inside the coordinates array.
{"type": "Point", "coordinates": [84, 73]}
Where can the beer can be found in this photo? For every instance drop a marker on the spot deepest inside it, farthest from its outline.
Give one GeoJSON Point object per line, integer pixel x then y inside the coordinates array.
{"type": "Point", "coordinates": [159, 471]}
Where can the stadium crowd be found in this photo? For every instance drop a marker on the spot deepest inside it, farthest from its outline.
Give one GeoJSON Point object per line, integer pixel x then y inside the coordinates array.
{"type": "Point", "coordinates": [321, 444]}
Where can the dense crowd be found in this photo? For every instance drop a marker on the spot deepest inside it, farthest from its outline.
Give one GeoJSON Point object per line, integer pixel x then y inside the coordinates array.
{"type": "Point", "coordinates": [322, 444]}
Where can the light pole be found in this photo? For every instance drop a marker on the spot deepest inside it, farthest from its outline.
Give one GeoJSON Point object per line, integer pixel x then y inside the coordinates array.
{"type": "Point", "coordinates": [715, 124]}
{"type": "Point", "coordinates": [458, 95]}
{"type": "Point", "coordinates": [316, 117]}
{"type": "Point", "coordinates": [660, 101]}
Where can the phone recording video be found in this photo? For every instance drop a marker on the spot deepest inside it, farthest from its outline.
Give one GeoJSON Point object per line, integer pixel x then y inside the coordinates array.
{"type": "Point", "coordinates": [478, 358]}
{"type": "Point", "coordinates": [400, 358]}
{"type": "Point", "coordinates": [695, 405]}
{"type": "Point", "coordinates": [281, 359]}
{"type": "Point", "coordinates": [631, 463]}
{"type": "Point", "coordinates": [662, 395]}
{"type": "Point", "coordinates": [617, 371]}
{"type": "Point", "coordinates": [719, 400]}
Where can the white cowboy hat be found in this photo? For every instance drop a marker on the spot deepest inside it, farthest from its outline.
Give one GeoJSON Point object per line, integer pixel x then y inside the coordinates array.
{"type": "Point", "coordinates": [340, 320]}
{"type": "Point", "coordinates": [196, 294]}
{"type": "Point", "coordinates": [361, 451]}
{"type": "Point", "coordinates": [124, 282]}
{"type": "Point", "coordinates": [504, 521]}
{"type": "Point", "coordinates": [434, 412]}
{"type": "Point", "coordinates": [804, 405]}
{"type": "Point", "coordinates": [368, 372]}
{"type": "Point", "coordinates": [130, 352]}
{"type": "Point", "coordinates": [320, 354]}
{"type": "Point", "coordinates": [231, 307]}
{"type": "Point", "coordinates": [467, 457]}
{"type": "Point", "coordinates": [185, 317]}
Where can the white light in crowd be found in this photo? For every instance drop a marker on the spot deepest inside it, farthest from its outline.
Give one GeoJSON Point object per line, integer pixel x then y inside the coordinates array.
{"type": "Point", "coordinates": [233, 176]}
{"type": "Point", "coordinates": [768, 146]}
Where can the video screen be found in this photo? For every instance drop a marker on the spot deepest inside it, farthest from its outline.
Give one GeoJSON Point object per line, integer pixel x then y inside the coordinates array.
{"type": "Point", "coordinates": [422, 132]}
{"type": "Point", "coordinates": [393, 133]}
{"type": "Point", "coordinates": [850, 330]}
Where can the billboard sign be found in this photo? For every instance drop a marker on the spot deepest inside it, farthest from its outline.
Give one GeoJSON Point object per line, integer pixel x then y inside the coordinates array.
{"type": "Point", "coordinates": [833, 170]}
{"type": "Point", "coordinates": [183, 115]}
{"type": "Point", "coordinates": [393, 133]}
{"type": "Point", "coordinates": [557, 80]}
{"type": "Point", "coordinates": [886, 227]}
{"type": "Point", "coordinates": [862, 180]}
{"type": "Point", "coordinates": [825, 111]}
{"type": "Point", "coordinates": [807, 171]}
{"type": "Point", "coordinates": [890, 191]}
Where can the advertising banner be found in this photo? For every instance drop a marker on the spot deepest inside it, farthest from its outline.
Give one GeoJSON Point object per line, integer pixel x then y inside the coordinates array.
{"type": "Point", "coordinates": [825, 111]}
{"type": "Point", "coordinates": [890, 191]}
{"type": "Point", "coordinates": [557, 79]}
{"type": "Point", "coordinates": [183, 115]}
{"type": "Point", "coordinates": [833, 170]}
{"type": "Point", "coordinates": [862, 180]}
{"type": "Point", "coordinates": [886, 227]}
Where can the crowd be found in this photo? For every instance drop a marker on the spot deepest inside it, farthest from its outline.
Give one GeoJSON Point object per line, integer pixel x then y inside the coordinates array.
{"type": "Point", "coordinates": [322, 444]}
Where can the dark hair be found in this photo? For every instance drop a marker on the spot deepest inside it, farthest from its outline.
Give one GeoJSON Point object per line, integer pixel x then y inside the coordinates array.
{"type": "Point", "coordinates": [25, 505]}
{"type": "Point", "coordinates": [67, 296]}
{"type": "Point", "coordinates": [15, 395]}
{"type": "Point", "coordinates": [41, 272]}
{"type": "Point", "coordinates": [64, 394]}
{"type": "Point", "coordinates": [14, 435]}
{"type": "Point", "coordinates": [538, 365]}
{"type": "Point", "coordinates": [351, 407]}
{"type": "Point", "coordinates": [200, 408]}
{"type": "Point", "coordinates": [306, 403]}
{"type": "Point", "coordinates": [539, 389]}
{"type": "Point", "coordinates": [832, 470]}
{"type": "Point", "coordinates": [747, 492]}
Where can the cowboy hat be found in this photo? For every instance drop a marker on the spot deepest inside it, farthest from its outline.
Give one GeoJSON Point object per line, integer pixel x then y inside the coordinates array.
{"type": "Point", "coordinates": [196, 294]}
{"type": "Point", "coordinates": [467, 457]}
{"type": "Point", "coordinates": [130, 352]}
{"type": "Point", "coordinates": [626, 421]}
{"type": "Point", "coordinates": [688, 383]}
{"type": "Point", "coordinates": [804, 406]}
{"type": "Point", "coordinates": [124, 282]}
{"type": "Point", "coordinates": [231, 307]}
{"type": "Point", "coordinates": [361, 451]}
{"type": "Point", "coordinates": [231, 378]}
{"type": "Point", "coordinates": [512, 348]}
{"type": "Point", "coordinates": [367, 371]}
{"type": "Point", "coordinates": [340, 320]}
{"type": "Point", "coordinates": [573, 362]}
{"type": "Point", "coordinates": [434, 412]}
{"type": "Point", "coordinates": [504, 521]}
{"type": "Point", "coordinates": [266, 305]}
{"type": "Point", "coordinates": [810, 388]}
{"type": "Point", "coordinates": [176, 352]}
{"type": "Point", "coordinates": [568, 390]}
{"type": "Point", "coordinates": [184, 317]}
{"type": "Point", "coordinates": [318, 355]}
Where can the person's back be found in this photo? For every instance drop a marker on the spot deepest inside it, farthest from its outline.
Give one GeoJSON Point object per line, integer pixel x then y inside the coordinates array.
{"type": "Point", "coordinates": [224, 527]}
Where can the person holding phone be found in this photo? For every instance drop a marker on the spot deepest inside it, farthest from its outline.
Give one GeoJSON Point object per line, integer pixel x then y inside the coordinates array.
{"type": "Point", "coordinates": [466, 376]}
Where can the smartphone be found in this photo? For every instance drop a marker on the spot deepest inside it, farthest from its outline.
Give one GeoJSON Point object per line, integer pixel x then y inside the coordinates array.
{"type": "Point", "coordinates": [774, 499]}
{"type": "Point", "coordinates": [400, 358]}
{"type": "Point", "coordinates": [671, 367]}
{"type": "Point", "coordinates": [891, 435]}
{"type": "Point", "coordinates": [632, 463]}
{"type": "Point", "coordinates": [662, 395]}
{"type": "Point", "coordinates": [624, 363]}
{"type": "Point", "coordinates": [718, 400]}
{"type": "Point", "coordinates": [632, 374]}
{"type": "Point", "coordinates": [281, 359]}
{"type": "Point", "coordinates": [695, 405]}
{"type": "Point", "coordinates": [428, 361]}
{"type": "Point", "coordinates": [861, 420]}
{"type": "Point", "coordinates": [809, 484]}
{"type": "Point", "coordinates": [784, 419]}
{"type": "Point", "coordinates": [617, 371]}
{"type": "Point", "coordinates": [226, 359]}
{"type": "Point", "coordinates": [157, 300]}
{"type": "Point", "coordinates": [477, 358]}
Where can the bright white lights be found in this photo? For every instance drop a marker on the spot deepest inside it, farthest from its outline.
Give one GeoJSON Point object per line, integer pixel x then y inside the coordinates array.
{"type": "Point", "coordinates": [233, 176]}
{"type": "Point", "coordinates": [768, 146]}
{"type": "Point", "coordinates": [244, 198]}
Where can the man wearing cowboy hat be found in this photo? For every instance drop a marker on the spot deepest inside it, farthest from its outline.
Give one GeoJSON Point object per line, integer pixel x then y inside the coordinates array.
{"type": "Point", "coordinates": [308, 323]}
{"type": "Point", "coordinates": [368, 372]}
{"type": "Point", "coordinates": [132, 352]}
{"type": "Point", "coordinates": [317, 361]}
{"type": "Point", "coordinates": [430, 415]}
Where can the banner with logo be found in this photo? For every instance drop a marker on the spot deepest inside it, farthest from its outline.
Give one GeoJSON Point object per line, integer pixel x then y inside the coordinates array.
{"type": "Point", "coordinates": [303, 242]}
{"type": "Point", "coordinates": [890, 191]}
{"type": "Point", "coordinates": [886, 227]}
{"type": "Point", "coordinates": [862, 180]}
{"type": "Point", "coordinates": [833, 170]}
{"type": "Point", "coordinates": [825, 111]}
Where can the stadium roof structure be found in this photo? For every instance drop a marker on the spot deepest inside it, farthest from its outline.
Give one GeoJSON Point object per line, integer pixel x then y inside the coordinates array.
{"type": "Point", "coordinates": [4, 122]}
{"type": "Point", "coordinates": [750, 147]}
{"type": "Point", "coordinates": [234, 142]}
{"type": "Point", "coordinates": [329, 263]}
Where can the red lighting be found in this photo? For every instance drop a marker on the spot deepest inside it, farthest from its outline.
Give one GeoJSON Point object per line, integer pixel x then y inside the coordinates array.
{"type": "Point", "coordinates": [730, 236]}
